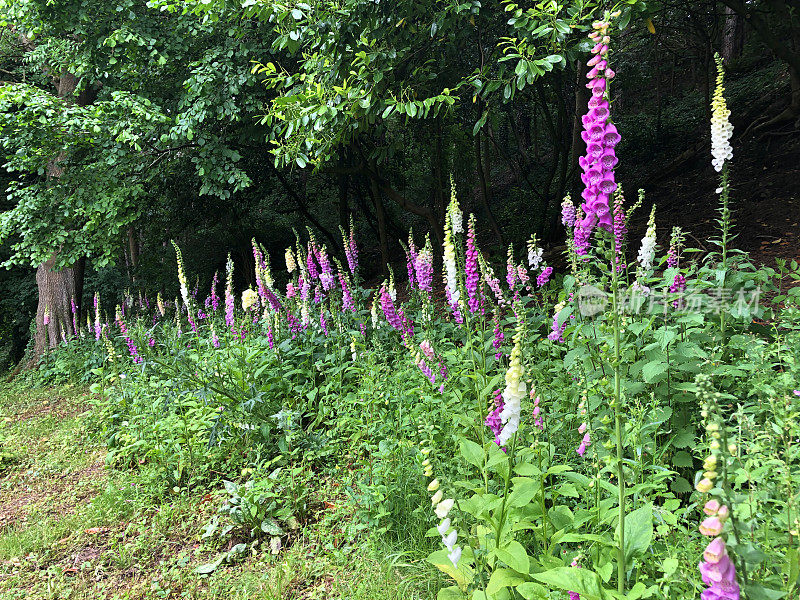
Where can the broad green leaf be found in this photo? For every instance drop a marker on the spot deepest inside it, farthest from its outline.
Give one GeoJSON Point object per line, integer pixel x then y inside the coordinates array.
{"type": "Point", "coordinates": [450, 593]}
{"type": "Point", "coordinates": [472, 453]}
{"type": "Point", "coordinates": [515, 556]}
{"type": "Point", "coordinates": [582, 581]}
{"type": "Point", "coordinates": [638, 531]}
{"type": "Point", "coordinates": [503, 578]}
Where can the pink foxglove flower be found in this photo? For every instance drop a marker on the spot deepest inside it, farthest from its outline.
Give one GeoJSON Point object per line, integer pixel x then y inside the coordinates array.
{"type": "Point", "coordinates": [411, 261]}
{"type": "Point", "coordinates": [493, 420]}
{"type": "Point", "coordinates": [537, 412]}
{"type": "Point", "coordinates": [347, 297]}
{"type": "Point", "coordinates": [229, 292]}
{"type": "Point", "coordinates": [568, 212]}
{"type": "Point", "coordinates": [718, 572]}
{"type": "Point", "coordinates": [423, 268]}
{"type": "Point", "coordinates": [427, 350]}
{"type": "Point", "coordinates": [544, 276]}
{"type": "Point", "coordinates": [712, 526]}
{"type": "Point", "coordinates": [389, 310]}
{"type": "Point", "coordinates": [498, 336]}
{"type": "Point", "coordinates": [471, 268]}
{"type": "Point", "coordinates": [601, 137]}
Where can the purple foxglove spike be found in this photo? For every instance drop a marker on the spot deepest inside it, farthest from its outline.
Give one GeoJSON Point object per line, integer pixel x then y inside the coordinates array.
{"type": "Point", "coordinates": [596, 132]}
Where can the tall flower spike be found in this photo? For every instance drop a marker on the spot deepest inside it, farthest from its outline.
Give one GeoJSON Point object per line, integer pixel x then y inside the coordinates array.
{"type": "Point", "coordinates": [620, 230]}
{"type": "Point", "coordinates": [675, 245]}
{"type": "Point", "coordinates": [514, 392]}
{"type": "Point", "coordinates": [451, 274]}
{"type": "Point", "coordinates": [567, 212]}
{"type": "Point", "coordinates": [471, 268]}
{"type": "Point", "coordinates": [423, 267]}
{"type": "Point", "coordinates": [647, 251]}
{"type": "Point", "coordinates": [214, 297]}
{"type": "Point", "coordinates": [601, 137]}
{"type": "Point", "coordinates": [389, 310]}
{"type": "Point", "coordinates": [229, 291]}
{"type": "Point", "coordinates": [454, 214]}
{"type": "Point", "coordinates": [97, 321]}
{"type": "Point", "coordinates": [721, 128]}
{"type": "Point", "coordinates": [182, 276]}
{"type": "Point", "coordinates": [534, 254]}
{"type": "Point", "coordinates": [291, 263]}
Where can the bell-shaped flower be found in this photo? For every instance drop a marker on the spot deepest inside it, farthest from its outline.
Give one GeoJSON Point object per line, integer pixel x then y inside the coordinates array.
{"type": "Point", "coordinates": [443, 527]}
{"type": "Point", "coordinates": [444, 507]}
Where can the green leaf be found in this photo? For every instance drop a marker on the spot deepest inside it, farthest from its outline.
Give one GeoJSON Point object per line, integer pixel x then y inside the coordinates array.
{"type": "Point", "coordinates": [515, 556]}
{"type": "Point", "coordinates": [638, 531]}
{"type": "Point", "coordinates": [450, 593]}
{"type": "Point", "coordinates": [582, 581]}
{"type": "Point", "coordinates": [462, 574]}
{"type": "Point", "coordinates": [682, 459]}
{"type": "Point", "coordinates": [524, 490]}
{"type": "Point", "coordinates": [754, 591]}
{"type": "Point", "coordinates": [210, 567]}
{"type": "Point", "coordinates": [472, 453]}
{"type": "Point", "coordinates": [684, 438]}
{"type": "Point", "coordinates": [669, 566]}
{"type": "Point", "coordinates": [653, 369]}
{"type": "Point", "coordinates": [272, 528]}
{"type": "Point", "coordinates": [532, 591]}
{"type": "Point", "coordinates": [503, 578]}
{"type": "Point", "coordinates": [681, 486]}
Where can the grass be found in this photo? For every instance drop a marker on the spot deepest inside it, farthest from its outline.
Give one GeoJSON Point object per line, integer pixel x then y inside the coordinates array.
{"type": "Point", "coordinates": [73, 528]}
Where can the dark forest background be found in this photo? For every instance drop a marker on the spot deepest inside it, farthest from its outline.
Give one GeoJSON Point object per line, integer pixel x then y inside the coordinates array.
{"type": "Point", "coordinates": [128, 124]}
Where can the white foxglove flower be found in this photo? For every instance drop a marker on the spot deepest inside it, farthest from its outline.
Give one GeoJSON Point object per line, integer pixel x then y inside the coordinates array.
{"type": "Point", "coordinates": [721, 128]}
{"type": "Point", "coordinates": [291, 264]}
{"type": "Point", "coordinates": [444, 507]}
{"type": "Point", "coordinates": [514, 392]}
{"type": "Point", "coordinates": [450, 540]}
{"type": "Point", "coordinates": [534, 254]}
{"type": "Point", "coordinates": [455, 556]}
{"type": "Point", "coordinates": [249, 298]}
{"type": "Point", "coordinates": [454, 213]}
{"type": "Point", "coordinates": [436, 498]}
{"type": "Point", "coordinates": [374, 312]}
{"type": "Point", "coordinates": [450, 269]}
{"type": "Point", "coordinates": [647, 250]}
{"type": "Point", "coordinates": [443, 527]}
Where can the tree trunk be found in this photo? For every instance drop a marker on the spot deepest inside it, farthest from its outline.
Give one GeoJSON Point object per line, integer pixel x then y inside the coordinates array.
{"type": "Point", "coordinates": [485, 191]}
{"type": "Point", "coordinates": [581, 101]}
{"type": "Point", "coordinates": [344, 184]}
{"type": "Point", "coordinates": [133, 247]}
{"type": "Point", "coordinates": [58, 289]}
{"type": "Point", "coordinates": [380, 215]}
{"type": "Point", "coordinates": [732, 35]}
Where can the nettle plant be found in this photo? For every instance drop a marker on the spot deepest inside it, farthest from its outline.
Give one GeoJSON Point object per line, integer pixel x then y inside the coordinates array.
{"type": "Point", "coordinates": [578, 434]}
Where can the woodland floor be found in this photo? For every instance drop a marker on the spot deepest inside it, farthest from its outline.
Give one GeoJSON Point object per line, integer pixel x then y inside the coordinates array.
{"type": "Point", "coordinates": [72, 528]}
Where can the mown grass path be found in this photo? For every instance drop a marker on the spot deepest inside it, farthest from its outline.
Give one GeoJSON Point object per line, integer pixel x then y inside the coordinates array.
{"type": "Point", "coordinates": [72, 528]}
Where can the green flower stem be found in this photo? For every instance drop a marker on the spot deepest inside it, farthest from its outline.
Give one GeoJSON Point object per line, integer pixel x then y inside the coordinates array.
{"type": "Point", "coordinates": [621, 570]}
